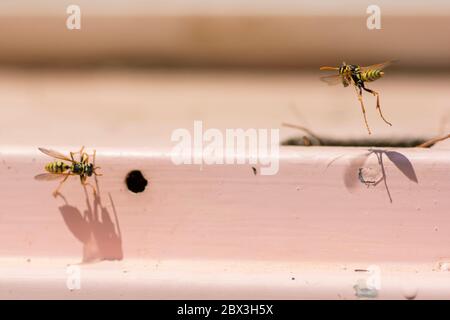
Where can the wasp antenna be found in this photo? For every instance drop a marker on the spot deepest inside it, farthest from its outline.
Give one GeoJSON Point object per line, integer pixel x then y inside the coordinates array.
{"type": "Point", "coordinates": [329, 68]}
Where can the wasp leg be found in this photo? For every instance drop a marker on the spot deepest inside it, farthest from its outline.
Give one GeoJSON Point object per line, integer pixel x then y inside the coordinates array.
{"type": "Point", "coordinates": [85, 183]}
{"type": "Point", "coordinates": [378, 104]}
{"type": "Point", "coordinates": [84, 158]}
{"type": "Point", "coordinates": [93, 162]}
{"type": "Point", "coordinates": [73, 153]}
{"type": "Point", "coordinates": [56, 192]}
{"type": "Point", "coordinates": [359, 93]}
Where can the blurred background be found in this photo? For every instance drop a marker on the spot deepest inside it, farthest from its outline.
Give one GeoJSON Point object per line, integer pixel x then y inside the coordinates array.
{"type": "Point", "coordinates": [137, 70]}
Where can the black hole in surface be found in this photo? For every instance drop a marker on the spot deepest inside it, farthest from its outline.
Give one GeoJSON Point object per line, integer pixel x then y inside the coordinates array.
{"type": "Point", "coordinates": [136, 181]}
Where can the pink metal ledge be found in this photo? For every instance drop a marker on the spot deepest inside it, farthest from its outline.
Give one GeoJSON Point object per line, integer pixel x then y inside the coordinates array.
{"type": "Point", "coordinates": [224, 232]}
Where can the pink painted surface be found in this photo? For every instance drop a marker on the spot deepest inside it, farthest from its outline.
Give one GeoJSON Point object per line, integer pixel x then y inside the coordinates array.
{"type": "Point", "coordinates": [222, 231]}
{"type": "Point", "coordinates": [313, 215]}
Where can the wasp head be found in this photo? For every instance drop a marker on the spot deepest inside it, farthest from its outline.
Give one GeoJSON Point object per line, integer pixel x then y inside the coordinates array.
{"type": "Point", "coordinates": [89, 169]}
{"type": "Point", "coordinates": [345, 70]}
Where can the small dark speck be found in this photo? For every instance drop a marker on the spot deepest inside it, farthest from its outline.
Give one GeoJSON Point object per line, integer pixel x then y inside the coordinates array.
{"type": "Point", "coordinates": [9, 168]}
{"type": "Point", "coordinates": [255, 172]}
{"type": "Point", "coordinates": [28, 260]}
{"type": "Point", "coordinates": [125, 271]}
{"type": "Point", "coordinates": [292, 278]}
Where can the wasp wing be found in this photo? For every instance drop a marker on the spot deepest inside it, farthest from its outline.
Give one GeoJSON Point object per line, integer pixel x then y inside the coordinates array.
{"type": "Point", "coordinates": [50, 176]}
{"type": "Point", "coordinates": [55, 154]}
{"type": "Point", "coordinates": [332, 80]}
{"type": "Point", "coordinates": [378, 66]}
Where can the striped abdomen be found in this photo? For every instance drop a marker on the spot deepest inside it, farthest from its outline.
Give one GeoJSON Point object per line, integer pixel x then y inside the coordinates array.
{"type": "Point", "coordinates": [57, 167]}
{"type": "Point", "coordinates": [371, 75]}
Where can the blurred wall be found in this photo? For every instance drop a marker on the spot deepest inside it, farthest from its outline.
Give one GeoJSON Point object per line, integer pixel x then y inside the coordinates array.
{"type": "Point", "coordinates": [239, 34]}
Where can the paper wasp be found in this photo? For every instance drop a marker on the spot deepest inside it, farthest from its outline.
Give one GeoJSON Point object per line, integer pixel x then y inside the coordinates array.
{"type": "Point", "coordinates": [357, 76]}
{"type": "Point", "coordinates": [62, 170]}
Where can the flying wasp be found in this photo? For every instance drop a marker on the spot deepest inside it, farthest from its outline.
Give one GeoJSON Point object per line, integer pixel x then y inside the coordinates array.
{"type": "Point", "coordinates": [62, 170]}
{"type": "Point", "coordinates": [357, 76]}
